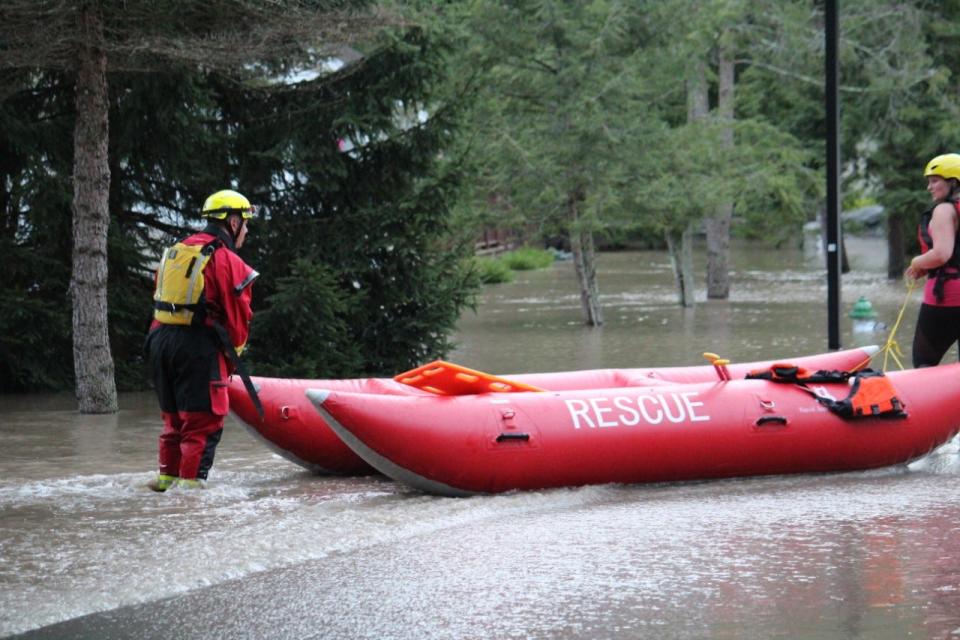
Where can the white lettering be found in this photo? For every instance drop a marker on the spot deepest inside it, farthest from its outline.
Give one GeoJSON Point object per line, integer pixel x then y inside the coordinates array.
{"type": "Point", "coordinates": [628, 411]}
{"type": "Point", "coordinates": [583, 410]}
{"type": "Point", "coordinates": [666, 407]}
{"type": "Point", "coordinates": [599, 411]}
{"type": "Point", "coordinates": [657, 418]}
{"type": "Point", "coordinates": [634, 416]}
{"type": "Point", "coordinates": [691, 407]}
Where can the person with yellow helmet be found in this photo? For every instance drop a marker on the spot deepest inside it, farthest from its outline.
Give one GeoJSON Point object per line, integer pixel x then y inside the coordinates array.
{"type": "Point", "coordinates": [938, 324]}
{"type": "Point", "coordinates": [201, 322]}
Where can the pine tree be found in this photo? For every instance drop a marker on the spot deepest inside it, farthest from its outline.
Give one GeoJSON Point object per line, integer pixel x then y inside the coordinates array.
{"type": "Point", "coordinates": [91, 38]}
{"type": "Point", "coordinates": [363, 269]}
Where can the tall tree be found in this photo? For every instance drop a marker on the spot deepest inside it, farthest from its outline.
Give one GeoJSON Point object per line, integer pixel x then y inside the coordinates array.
{"type": "Point", "coordinates": [89, 39]}
{"type": "Point", "coordinates": [896, 97]}
{"type": "Point", "coordinates": [709, 163]}
{"type": "Point", "coordinates": [715, 40]}
{"type": "Point", "coordinates": [559, 110]}
{"type": "Point", "coordinates": [908, 99]}
{"type": "Point", "coordinates": [698, 107]}
{"type": "Point", "coordinates": [718, 225]}
{"type": "Point", "coordinates": [354, 175]}
{"type": "Point", "coordinates": [35, 157]}
{"type": "Point", "coordinates": [366, 223]}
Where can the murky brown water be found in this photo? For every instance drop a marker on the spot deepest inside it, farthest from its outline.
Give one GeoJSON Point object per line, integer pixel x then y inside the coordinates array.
{"type": "Point", "coordinates": [777, 307]}
{"type": "Point", "coordinates": [270, 551]}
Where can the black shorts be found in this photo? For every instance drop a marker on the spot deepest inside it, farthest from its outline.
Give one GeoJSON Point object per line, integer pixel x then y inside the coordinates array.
{"type": "Point", "coordinates": [938, 328]}
{"type": "Point", "coordinates": [183, 360]}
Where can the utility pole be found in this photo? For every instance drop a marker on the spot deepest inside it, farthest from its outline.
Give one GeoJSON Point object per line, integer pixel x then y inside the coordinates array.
{"type": "Point", "coordinates": [831, 30]}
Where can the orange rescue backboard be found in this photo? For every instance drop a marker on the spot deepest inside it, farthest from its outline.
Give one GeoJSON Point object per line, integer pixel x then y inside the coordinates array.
{"type": "Point", "coordinates": [448, 379]}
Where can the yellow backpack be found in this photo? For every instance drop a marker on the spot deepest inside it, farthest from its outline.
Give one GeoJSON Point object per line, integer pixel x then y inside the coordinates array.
{"type": "Point", "coordinates": [179, 295]}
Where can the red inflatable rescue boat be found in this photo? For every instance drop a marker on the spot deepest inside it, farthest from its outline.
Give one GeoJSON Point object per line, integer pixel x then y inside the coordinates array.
{"type": "Point", "coordinates": [494, 442]}
{"type": "Point", "coordinates": [294, 430]}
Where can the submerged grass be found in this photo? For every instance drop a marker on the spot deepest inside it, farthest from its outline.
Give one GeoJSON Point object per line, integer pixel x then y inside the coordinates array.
{"type": "Point", "coordinates": [500, 269]}
{"type": "Point", "coordinates": [528, 258]}
{"type": "Point", "coordinates": [493, 270]}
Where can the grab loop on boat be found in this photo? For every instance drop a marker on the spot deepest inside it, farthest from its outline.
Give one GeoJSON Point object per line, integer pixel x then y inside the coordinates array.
{"type": "Point", "coordinates": [777, 420]}
{"type": "Point", "coordinates": [287, 412]}
{"type": "Point", "coordinates": [503, 437]}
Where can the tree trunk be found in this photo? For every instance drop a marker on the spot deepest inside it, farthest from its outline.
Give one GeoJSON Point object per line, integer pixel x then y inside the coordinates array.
{"type": "Point", "coordinates": [680, 243]}
{"type": "Point", "coordinates": [92, 361]}
{"type": "Point", "coordinates": [718, 225]}
{"type": "Point", "coordinates": [698, 104]}
{"type": "Point", "coordinates": [681, 259]}
{"type": "Point", "coordinates": [584, 261]}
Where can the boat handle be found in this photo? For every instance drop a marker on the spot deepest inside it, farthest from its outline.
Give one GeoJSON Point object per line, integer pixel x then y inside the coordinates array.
{"type": "Point", "coordinates": [513, 436]}
{"type": "Point", "coordinates": [762, 420]}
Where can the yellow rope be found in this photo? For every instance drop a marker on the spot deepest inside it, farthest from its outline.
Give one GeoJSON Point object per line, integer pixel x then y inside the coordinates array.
{"type": "Point", "coordinates": [891, 349]}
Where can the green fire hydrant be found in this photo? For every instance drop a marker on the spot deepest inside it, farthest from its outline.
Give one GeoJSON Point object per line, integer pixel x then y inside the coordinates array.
{"type": "Point", "coordinates": [863, 315]}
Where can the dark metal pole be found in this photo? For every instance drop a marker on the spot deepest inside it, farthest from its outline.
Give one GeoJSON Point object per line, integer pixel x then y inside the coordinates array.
{"type": "Point", "coordinates": [832, 29]}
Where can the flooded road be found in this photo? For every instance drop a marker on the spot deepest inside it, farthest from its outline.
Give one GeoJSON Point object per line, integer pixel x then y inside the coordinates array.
{"type": "Point", "coordinates": [269, 550]}
{"type": "Point", "coordinates": [777, 307]}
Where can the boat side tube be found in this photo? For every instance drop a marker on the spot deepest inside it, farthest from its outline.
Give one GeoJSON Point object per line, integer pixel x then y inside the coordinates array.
{"type": "Point", "coordinates": [377, 461]}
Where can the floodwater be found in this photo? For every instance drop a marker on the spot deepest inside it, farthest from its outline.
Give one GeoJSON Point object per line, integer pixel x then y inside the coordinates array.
{"type": "Point", "coordinates": [268, 550]}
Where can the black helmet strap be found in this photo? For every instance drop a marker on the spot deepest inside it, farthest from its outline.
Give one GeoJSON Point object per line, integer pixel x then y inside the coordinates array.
{"type": "Point", "coordinates": [222, 231]}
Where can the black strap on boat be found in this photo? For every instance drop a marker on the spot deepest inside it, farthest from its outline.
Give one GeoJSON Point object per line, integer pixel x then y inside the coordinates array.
{"type": "Point", "coordinates": [791, 373]}
{"type": "Point", "coordinates": [238, 366]}
{"type": "Point", "coordinates": [871, 393]}
{"type": "Point", "coordinates": [503, 437]}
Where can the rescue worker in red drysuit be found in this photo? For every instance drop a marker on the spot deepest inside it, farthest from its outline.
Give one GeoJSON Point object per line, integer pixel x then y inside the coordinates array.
{"type": "Point", "coordinates": [938, 325]}
{"type": "Point", "coordinates": [186, 348]}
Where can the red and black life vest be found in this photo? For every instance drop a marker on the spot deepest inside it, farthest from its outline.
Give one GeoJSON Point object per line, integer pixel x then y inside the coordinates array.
{"type": "Point", "coordinates": [950, 270]}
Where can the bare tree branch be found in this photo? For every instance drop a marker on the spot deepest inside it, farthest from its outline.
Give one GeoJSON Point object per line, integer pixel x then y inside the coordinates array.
{"type": "Point", "coordinates": [141, 35]}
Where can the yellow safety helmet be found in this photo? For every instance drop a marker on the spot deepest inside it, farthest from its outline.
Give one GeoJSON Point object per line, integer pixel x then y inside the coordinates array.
{"type": "Point", "coordinates": [945, 166]}
{"type": "Point", "coordinates": [223, 203]}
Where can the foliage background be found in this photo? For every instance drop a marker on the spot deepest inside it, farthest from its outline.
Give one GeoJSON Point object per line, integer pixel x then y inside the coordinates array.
{"type": "Point", "coordinates": [364, 250]}
{"type": "Point", "coordinates": [362, 270]}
